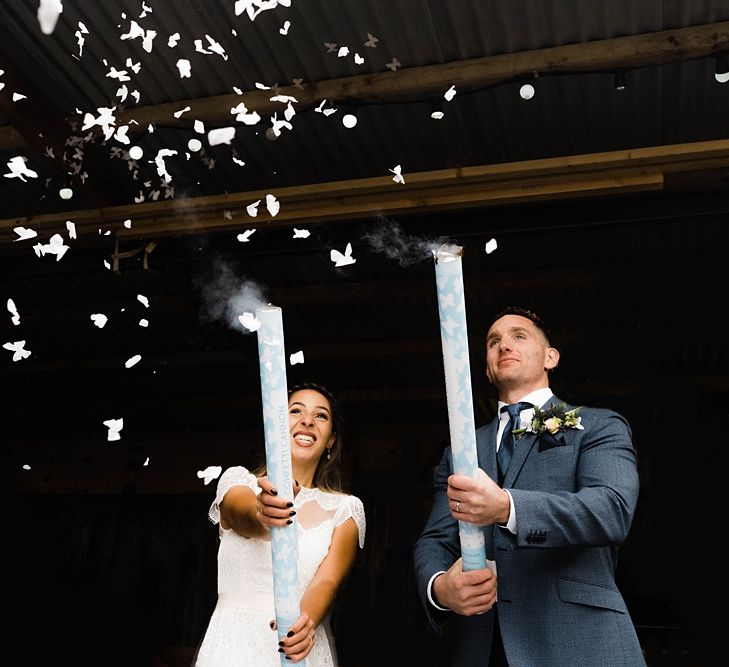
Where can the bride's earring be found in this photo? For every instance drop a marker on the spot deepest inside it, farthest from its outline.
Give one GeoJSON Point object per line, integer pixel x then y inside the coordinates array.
{"type": "Point", "coordinates": [329, 453]}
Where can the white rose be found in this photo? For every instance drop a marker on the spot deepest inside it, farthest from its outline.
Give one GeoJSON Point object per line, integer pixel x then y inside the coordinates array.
{"type": "Point", "coordinates": [552, 424]}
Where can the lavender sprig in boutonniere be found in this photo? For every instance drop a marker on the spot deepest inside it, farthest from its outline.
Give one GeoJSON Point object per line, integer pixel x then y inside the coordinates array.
{"type": "Point", "coordinates": [552, 421]}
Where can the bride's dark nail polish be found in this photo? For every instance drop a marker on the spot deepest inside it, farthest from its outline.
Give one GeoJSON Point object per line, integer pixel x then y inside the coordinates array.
{"type": "Point", "coordinates": [281, 650]}
{"type": "Point", "coordinates": [273, 492]}
{"type": "Point", "coordinates": [289, 504]}
{"type": "Point", "coordinates": [292, 513]}
{"type": "Point", "coordinates": [290, 633]}
{"type": "Point", "coordinates": [289, 522]}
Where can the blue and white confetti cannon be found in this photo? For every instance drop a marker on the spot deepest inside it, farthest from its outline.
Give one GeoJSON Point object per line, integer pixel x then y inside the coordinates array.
{"type": "Point", "coordinates": [454, 338]}
{"type": "Point", "coordinates": [274, 395]}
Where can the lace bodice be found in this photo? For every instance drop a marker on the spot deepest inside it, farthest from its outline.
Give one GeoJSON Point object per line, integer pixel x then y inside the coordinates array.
{"type": "Point", "coordinates": [244, 563]}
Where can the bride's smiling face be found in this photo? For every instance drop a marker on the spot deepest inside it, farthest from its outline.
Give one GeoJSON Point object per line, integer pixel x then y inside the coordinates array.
{"type": "Point", "coordinates": [310, 424]}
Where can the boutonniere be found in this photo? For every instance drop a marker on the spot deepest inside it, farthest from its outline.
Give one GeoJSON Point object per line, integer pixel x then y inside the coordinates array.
{"type": "Point", "coordinates": [553, 420]}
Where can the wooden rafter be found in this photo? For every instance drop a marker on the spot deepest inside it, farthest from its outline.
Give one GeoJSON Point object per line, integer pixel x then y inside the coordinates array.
{"type": "Point", "coordinates": [448, 189]}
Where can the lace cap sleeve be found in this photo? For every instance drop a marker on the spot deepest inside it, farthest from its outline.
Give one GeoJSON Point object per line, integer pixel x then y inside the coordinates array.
{"type": "Point", "coordinates": [355, 509]}
{"type": "Point", "coordinates": [237, 476]}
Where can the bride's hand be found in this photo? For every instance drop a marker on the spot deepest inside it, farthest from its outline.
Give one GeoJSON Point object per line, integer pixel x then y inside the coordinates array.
{"type": "Point", "coordinates": [297, 644]}
{"type": "Point", "coordinates": [272, 510]}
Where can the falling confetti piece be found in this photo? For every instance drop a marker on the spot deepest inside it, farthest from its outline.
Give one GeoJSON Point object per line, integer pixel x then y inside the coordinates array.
{"type": "Point", "coordinates": [17, 348]}
{"type": "Point", "coordinates": [114, 426]}
{"type": "Point", "coordinates": [143, 300]}
{"type": "Point", "coordinates": [210, 473]}
{"type": "Point", "coordinates": [194, 145]}
{"type": "Point", "coordinates": [331, 47]}
{"type": "Point", "coordinates": [128, 223]}
{"type": "Point", "coordinates": [55, 246]}
{"type": "Point", "coordinates": [99, 319]}
{"type": "Point", "coordinates": [133, 360]}
{"type": "Point", "coordinates": [393, 65]}
{"type": "Point", "coordinates": [146, 462]}
{"type": "Point", "coordinates": [252, 209]}
{"type": "Point", "coordinates": [24, 233]}
{"type": "Point", "coordinates": [285, 29]}
{"type": "Point", "coordinates": [26, 466]}
{"type": "Point", "coordinates": [19, 170]}
{"type": "Point", "coordinates": [71, 228]}
{"type": "Point", "coordinates": [491, 246]}
{"type": "Point", "coordinates": [15, 316]}
{"type": "Point", "coordinates": [371, 41]}
{"type": "Point", "coordinates": [136, 153]}
{"type": "Point", "coordinates": [48, 13]}
{"type": "Point", "coordinates": [450, 93]}
{"type": "Point", "coordinates": [343, 52]}
{"type": "Point", "coordinates": [273, 205]}
{"type": "Point", "coordinates": [245, 236]}
{"type": "Point", "coordinates": [340, 259]}
{"type": "Point", "coordinates": [249, 321]}
{"type": "Point", "coordinates": [301, 233]}
{"type": "Point", "coordinates": [221, 135]}
{"type": "Point", "coordinates": [398, 177]}
{"type": "Point", "coordinates": [143, 323]}
{"type": "Point", "coordinates": [297, 358]}
{"type": "Point", "coordinates": [358, 59]}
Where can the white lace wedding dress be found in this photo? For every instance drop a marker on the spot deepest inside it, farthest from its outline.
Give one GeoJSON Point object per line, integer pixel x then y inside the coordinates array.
{"type": "Point", "coordinates": [238, 634]}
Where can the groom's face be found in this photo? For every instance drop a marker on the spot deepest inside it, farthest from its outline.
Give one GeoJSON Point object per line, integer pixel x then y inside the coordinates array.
{"type": "Point", "coordinates": [518, 353]}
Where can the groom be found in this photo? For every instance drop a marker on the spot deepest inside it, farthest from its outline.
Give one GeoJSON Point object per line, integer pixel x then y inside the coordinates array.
{"type": "Point", "coordinates": [553, 525]}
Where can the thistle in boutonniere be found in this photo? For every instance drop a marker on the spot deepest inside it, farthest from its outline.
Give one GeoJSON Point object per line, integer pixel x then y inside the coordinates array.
{"type": "Point", "coordinates": [555, 419]}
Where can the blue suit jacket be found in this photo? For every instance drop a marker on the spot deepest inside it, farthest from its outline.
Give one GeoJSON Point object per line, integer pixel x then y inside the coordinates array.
{"type": "Point", "coordinates": [558, 604]}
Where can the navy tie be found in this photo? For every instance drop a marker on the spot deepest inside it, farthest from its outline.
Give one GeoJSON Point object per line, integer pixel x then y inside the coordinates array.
{"type": "Point", "coordinates": [506, 449]}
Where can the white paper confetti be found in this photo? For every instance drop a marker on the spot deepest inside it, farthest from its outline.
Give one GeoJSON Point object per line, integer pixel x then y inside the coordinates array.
{"type": "Point", "coordinates": [340, 259]}
{"type": "Point", "coordinates": [143, 323]}
{"type": "Point", "coordinates": [48, 13]}
{"type": "Point", "coordinates": [15, 316]}
{"type": "Point", "coordinates": [450, 93]}
{"type": "Point", "coordinates": [358, 59]}
{"type": "Point", "coordinates": [301, 233]}
{"type": "Point", "coordinates": [146, 462]}
{"type": "Point", "coordinates": [249, 321]}
{"type": "Point", "coordinates": [128, 223]}
{"type": "Point", "coordinates": [393, 65]}
{"type": "Point", "coordinates": [24, 233]}
{"type": "Point", "coordinates": [221, 135]}
{"type": "Point", "coordinates": [285, 29]}
{"type": "Point", "coordinates": [273, 205]}
{"type": "Point", "coordinates": [114, 426]}
{"type": "Point", "coordinates": [17, 348]}
{"type": "Point", "coordinates": [371, 41]}
{"type": "Point", "coordinates": [184, 68]}
{"type": "Point", "coordinates": [99, 319]}
{"type": "Point", "coordinates": [71, 229]}
{"type": "Point", "coordinates": [133, 360]}
{"type": "Point", "coordinates": [19, 170]}
{"type": "Point", "coordinates": [297, 358]}
{"type": "Point", "coordinates": [55, 246]}
{"type": "Point", "coordinates": [398, 177]}
{"type": "Point", "coordinates": [26, 466]}
{"type": "Point", "coordinates": [245, 236]}
{"type": "Point", "coordinates": [210, 473]}
{"type": "Point", "coordinates": [252, 209]}
{"type": "Point", "coordinates": [491, 246]}
{"type": "Point", "coordinates": [143, 300]}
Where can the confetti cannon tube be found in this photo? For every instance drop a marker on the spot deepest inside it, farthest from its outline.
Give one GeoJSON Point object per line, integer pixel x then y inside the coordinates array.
{"type": "Point", "coordinates": [454, 338]}
{"type": "Point", "coordinates": [274, 395]}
